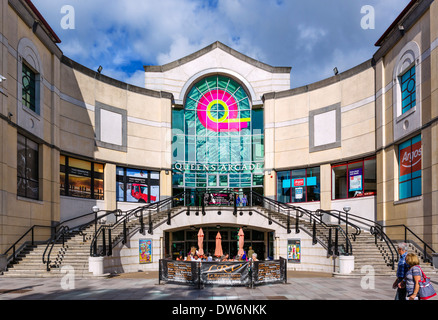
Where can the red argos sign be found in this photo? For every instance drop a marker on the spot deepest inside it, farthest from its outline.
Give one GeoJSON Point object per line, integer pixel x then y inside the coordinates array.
{"type": "Point", "coordinates": [410, 159]}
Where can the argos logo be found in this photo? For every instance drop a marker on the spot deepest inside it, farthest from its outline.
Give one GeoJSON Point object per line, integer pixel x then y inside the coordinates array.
{"type": "Point", "coordinates": [410, 159]}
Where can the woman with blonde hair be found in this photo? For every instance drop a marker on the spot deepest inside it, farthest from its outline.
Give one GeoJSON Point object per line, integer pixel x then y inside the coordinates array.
{"type": "Point", "coordinates": [413, 276]}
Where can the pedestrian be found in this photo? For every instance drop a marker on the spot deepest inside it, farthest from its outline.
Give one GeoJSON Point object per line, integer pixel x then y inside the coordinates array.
{"type": "Point", "coordinates": [244, 200]}
{"type": "Point", "coordinates": [413, 276]}
{"type": "Point", "coordinates": [402, 269]}
{"type": "Point", "coordinates": [250, 252]}
{"type": "Point", "coordinates": [238, 201]}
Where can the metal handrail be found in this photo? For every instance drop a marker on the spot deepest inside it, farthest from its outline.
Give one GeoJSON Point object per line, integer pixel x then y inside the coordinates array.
{"type": "Point", "coordinates": [13, 247]}
{"type": "Point", "coordinates": [284, 208]}
{"type": "Point", "coordinates": [56, 237]}
{"type": "Point", "coordinates": [426, 256]}
{"type": "Point", "coordinates": [374, 228]}
{"type": "Point", "coordinates": [126, 216]}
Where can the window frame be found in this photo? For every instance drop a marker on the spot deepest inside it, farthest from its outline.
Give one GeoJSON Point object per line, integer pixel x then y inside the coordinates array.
{"type": "Point", "coordinates": [305, 186]}
{"type": "Point", "coordinates": [26, 179]}
{"type": "Point", "coordinates": [411, 179]}
{"type": "Point", "coordinates": [124, 181]}
{"type": "Point", "coordinates": [93, 177]}
{"type": "Point", "coordinates": [347, 164]}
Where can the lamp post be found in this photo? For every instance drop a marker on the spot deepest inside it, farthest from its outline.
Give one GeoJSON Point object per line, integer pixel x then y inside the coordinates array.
{"type": "Point", "coordinates": [95, 210]}
{"type": "Point", "coordinates": [346, 210]}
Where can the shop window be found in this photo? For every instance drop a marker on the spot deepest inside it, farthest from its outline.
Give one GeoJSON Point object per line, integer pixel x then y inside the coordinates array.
{"type": "Point", "coordinates": [301, 185]}
{"type": "Point", "coordinates": [354, 179]}
{"type": "Point", "coordinates": [81, 178]}
{"type": "Point", "coordinates": [410, 154]}
{"type": "Point", "coordinates": [135, 185]}
{"type": "Point", "coordinates": [27, 168]}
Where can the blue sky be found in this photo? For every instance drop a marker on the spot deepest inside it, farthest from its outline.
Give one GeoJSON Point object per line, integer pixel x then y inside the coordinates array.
{"type": "Point", "coordinates": [311, 36]}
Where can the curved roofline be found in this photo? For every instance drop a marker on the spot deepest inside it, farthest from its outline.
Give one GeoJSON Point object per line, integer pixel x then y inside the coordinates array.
{"type": "Point", "coordinates": [322, 83]}
{"type": "Point", "coordinates": [217, 45]}
{"type": "Point", "coordinates": [114, 82]}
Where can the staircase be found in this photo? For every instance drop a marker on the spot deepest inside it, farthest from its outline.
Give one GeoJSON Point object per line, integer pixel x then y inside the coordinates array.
{"type": "Point", "coordinates": [365, 250]}
{"type": "Point", "coordinates": [74, 253]}
{"type": "Point", "coordinates": [76, 249]}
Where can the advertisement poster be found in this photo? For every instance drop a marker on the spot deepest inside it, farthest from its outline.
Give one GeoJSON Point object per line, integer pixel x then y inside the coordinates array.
{"type": "Point", "coordinates": [294, 250]}
{"type": "Point", "coordinates": [145, 251]}
{"type": "Point", "coordinates": [299, 193]}
{"type": "Point", "coordinates": [355, 176]}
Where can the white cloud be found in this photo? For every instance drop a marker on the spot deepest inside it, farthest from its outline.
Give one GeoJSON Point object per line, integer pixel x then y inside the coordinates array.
{"type": "Point", "coordinates": [308, 36]}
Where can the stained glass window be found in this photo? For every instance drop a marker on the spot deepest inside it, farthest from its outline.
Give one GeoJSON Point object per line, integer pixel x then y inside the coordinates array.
{"type": "Point", "coordinates": [218, 134]}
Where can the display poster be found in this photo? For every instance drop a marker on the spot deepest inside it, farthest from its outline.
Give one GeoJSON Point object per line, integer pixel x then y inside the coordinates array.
{"type": "Point", "coordinates": [355, 178]}
{"type": "Point", "coordinates": [145, 251]}
{"type": "Point", "coordinates": [294, 250]}
{"type": "Point", "coordinates": [299, 192]}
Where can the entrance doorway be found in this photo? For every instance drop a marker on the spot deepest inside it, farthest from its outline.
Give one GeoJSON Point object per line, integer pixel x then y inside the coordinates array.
{"type": "Point", "coordinates": [178, 243]}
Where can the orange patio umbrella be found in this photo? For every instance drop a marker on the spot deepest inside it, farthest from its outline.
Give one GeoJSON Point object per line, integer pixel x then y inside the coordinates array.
{"type": "Point", "coordinates": [241, 241]}
{"type": "Point", "coordinates": [200, 242]}
{"type": "Point", "coordinates": [218, 252]}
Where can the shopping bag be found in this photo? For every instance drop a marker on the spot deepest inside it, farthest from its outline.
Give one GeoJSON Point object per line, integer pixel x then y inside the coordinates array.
{"type": "Point", "coordinates": [426, 289]}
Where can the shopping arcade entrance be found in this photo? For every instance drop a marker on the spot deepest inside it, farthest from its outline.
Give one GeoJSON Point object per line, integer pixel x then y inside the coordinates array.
{"type": "Point", "coordinates": [211, 197]}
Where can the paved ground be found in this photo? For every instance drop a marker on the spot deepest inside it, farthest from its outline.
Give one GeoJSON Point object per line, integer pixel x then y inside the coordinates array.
{"type": "Point", "coordinates": [144, 286]}
{"type": "Point", "coordinates": [140, 295]}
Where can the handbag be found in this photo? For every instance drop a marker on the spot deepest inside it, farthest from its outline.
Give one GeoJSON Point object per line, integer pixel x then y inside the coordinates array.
{"type": "Point", "coordinates": [426, 289]}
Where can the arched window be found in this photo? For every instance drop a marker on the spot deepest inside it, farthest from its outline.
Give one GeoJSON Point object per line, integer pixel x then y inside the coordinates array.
{"type": "Point", "coordinates": [30, 87]}
{"type": "Point", "coordinates": [407, 91]}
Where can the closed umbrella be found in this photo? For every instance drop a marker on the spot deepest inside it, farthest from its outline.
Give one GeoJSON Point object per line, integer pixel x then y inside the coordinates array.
{"type": "Point", "coordinates": [241, 240]}
{"type": "Point", "coordinates": [218, 252]}
{"type": "Point", "coordinates": [200, 242]}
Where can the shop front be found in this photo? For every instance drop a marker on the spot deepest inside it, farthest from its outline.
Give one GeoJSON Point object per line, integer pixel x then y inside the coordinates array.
{"type": "Point", "coordinates": [179, 243]}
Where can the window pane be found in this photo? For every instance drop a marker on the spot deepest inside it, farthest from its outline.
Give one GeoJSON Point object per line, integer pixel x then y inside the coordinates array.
{"type": "Point", "coordinates": [339, 182]}
{"type": "Point", "coordinates": [370, 177]}
{"type": "Point", "coordinates": [298, 185]}
{"type": "Point", "coordinates": [283, 186]}
{"type": "Point", "coordinates": [313, 184]}
{"type": "Point", "coordinates": [410, 154]}
{"type": "Point", "coordinates": [28, 87]}
{"type": "Point", "coordinates": [408, 89]}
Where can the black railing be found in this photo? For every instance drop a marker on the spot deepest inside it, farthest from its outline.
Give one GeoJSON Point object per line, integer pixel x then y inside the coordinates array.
{"type": "Point", "coordinates": [315, 222]}
{"type": "Point", "coordinates": [63, 231]}
{"type": "Point", "coordinates": [373, 227]}
{"type": "Point", "coordinates": [106, 237]}
{"type": "Point", "coordinates": [23, 242]}
{"type": "Point", "coordinates": [427, 250]}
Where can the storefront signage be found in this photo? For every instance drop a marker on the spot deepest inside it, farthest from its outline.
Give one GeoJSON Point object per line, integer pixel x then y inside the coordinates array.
{"type": "Point", "coordinates": [225, 273]}
{"type": "Point", "coordinates": [178, 271]}
{"type": "Point", "coordinates": [410, 159]}
{"type": "Point", "coordinates": [218, 167]}
{"type": "Point", "coordinates": [269, 271]}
